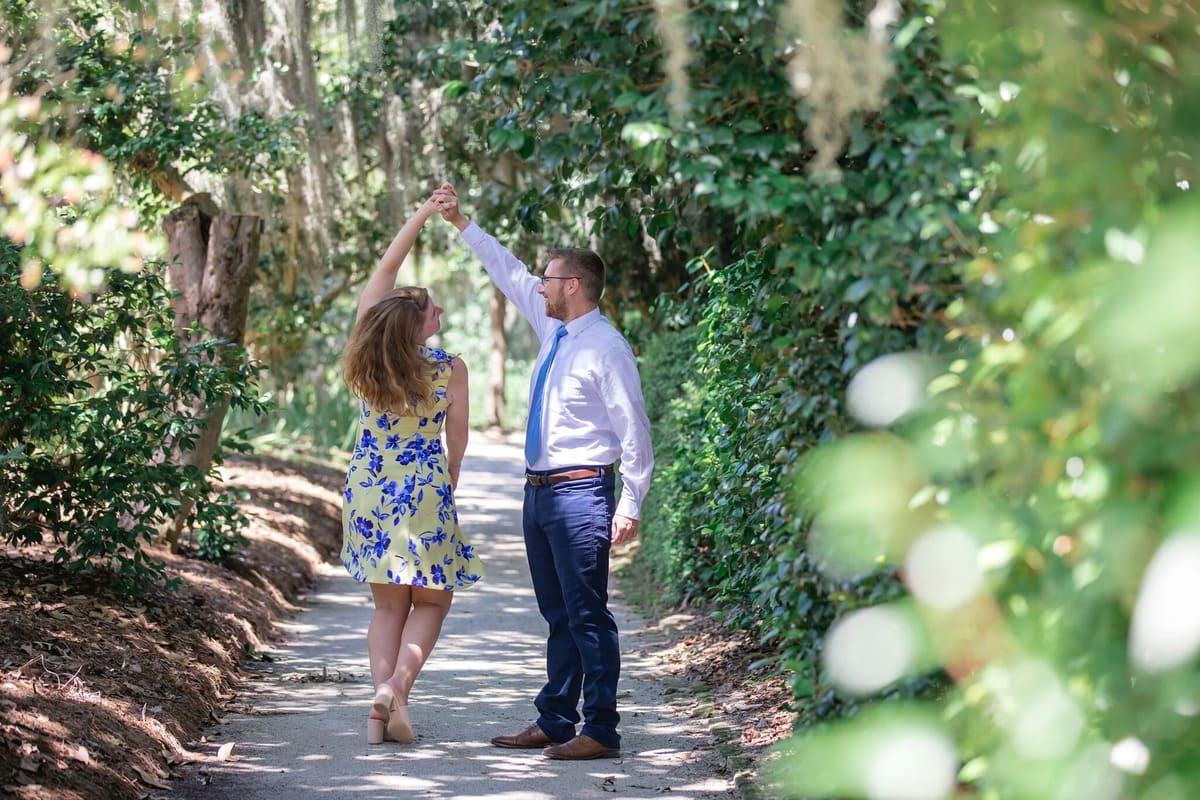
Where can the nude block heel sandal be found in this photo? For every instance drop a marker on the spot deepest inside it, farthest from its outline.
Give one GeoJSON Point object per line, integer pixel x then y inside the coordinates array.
{"type": "Point", "coordinates": [381, 707]}
{"type": "Point", "coordinates": [375, 729]}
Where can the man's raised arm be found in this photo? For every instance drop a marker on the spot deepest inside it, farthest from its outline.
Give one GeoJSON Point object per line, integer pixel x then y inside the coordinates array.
{"type": "Point", "coordinates": [508, 272]}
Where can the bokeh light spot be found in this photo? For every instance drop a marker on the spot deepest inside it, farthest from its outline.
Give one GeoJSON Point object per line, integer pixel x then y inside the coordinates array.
{"type": "Point", "coordinates": [912, 764]}
{"type": "Point", "coordinates": [1166, 620]}
{"type": "Point", "coordinates": [1130, 755]}
{"type": "Point", "coordinates": [887, 388]}
{"type": "Point", "coordinates": [942, 568]}
{"type": "Point", "coordinates": [867, 650]}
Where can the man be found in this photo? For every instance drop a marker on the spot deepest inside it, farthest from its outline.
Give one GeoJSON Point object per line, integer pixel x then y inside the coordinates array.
{"type": "Point", "coordinates": [586, 411]}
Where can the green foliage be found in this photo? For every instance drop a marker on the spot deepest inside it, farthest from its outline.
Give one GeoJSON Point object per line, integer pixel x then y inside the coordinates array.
{"type": "Point", "coordinates": [55, 198]}
{"type": "Point", "coordinates": [89, 419]}
{"type": "Point", "coordinates": [1041, 502]}
{"type": "Point", "coordinates": [94, 91]}
{"type": "Point", "coordinates": [669, 391]}
{"type": "Point", "coordinates": [845, 272]}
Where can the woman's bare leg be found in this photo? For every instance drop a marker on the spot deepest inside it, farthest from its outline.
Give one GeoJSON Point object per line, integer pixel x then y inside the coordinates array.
{"type": "Point", "coordinates": [386, 630]}
{"type": "Point", "coordinates": [421, 631]}
{"type": "Point", "coordinates": [400, 637]}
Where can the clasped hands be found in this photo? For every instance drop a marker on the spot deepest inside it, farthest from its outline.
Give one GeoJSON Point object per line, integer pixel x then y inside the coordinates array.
{"type": "Point", "coordinates": [444, 201]}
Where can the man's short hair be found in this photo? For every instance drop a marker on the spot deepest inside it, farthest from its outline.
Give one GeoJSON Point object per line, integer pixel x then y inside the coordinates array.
{"type": "Point", "coordinates": [585, 265]}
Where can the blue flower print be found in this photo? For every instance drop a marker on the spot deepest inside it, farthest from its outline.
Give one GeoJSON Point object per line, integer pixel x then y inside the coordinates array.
{"type": "Point", "coordinates": [401, 521]}
{"type": "Point", "coordinates": [364, 527]}
{"type": "Point", "coordinates": [381, 544]}
{"type": "Point", "coordinates": [430, 539]}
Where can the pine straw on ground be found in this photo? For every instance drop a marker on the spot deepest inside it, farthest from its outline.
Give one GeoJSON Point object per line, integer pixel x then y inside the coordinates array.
{"type": "Point", "coordinates": [747, 706]}
{"type": "Point", "coordinates": [101, 695]}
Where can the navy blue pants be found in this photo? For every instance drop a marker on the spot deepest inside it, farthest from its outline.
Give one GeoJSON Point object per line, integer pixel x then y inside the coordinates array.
{"type": "Point", "coordinates": [568, 530]}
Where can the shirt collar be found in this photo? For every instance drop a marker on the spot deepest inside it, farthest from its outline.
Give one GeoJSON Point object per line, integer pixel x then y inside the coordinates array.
{"type": "Point", "coordinates": [581, 324]}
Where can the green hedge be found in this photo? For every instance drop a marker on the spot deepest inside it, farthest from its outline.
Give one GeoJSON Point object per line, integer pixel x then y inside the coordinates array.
{"type": "Point", "coordinates": [858, 271]}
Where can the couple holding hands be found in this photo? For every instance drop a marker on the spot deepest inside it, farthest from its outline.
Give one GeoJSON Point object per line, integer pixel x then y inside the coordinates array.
{"type": "Point", "coordinates": [400, 524]}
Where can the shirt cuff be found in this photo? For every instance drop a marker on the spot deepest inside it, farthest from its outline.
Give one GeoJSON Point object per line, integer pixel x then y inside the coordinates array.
{"type": "Point", "coordinates": [626, 507]}
{"type": "Point", "coordinates": [473, 234]}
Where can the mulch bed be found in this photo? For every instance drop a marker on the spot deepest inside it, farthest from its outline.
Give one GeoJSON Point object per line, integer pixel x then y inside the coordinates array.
{"type": "Point", "coordinates": [101, 696]}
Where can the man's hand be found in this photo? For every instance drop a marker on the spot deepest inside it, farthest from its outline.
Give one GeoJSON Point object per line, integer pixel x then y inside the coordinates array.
{"type": "Point", "coordinates": [446, 200]}
{"type": "Point", "coordinates": [624, 529]}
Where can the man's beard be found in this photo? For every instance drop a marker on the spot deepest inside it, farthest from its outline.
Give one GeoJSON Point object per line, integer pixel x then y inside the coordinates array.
{"type": "Point", "coordinates": [556, 308]}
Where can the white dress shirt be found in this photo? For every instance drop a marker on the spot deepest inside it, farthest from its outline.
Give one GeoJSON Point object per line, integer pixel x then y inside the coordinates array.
{"type": "Point", "coordinates": [593, 405]}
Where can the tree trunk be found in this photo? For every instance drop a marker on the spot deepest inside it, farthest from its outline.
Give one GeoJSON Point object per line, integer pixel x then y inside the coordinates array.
{"type": "Point", "coordinates": [211, 260]}
{"type": "Point", "coordinates": [494, 398]}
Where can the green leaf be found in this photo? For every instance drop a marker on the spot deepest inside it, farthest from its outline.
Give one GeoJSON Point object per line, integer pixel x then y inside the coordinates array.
{"type": "Point", "coordinates": [641, 134]}
{"type": "Point", "coordinates": [906, 34]}
{"type": "Point", "coordinates": [455, 89]}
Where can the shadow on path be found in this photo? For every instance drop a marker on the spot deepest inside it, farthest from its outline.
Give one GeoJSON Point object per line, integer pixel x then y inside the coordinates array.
{"type": "Point", "coordinates": [303, 732]}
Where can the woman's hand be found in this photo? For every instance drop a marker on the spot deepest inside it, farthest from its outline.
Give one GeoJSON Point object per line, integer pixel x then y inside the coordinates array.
{"type": "Point", "coordinates": [429, 208]}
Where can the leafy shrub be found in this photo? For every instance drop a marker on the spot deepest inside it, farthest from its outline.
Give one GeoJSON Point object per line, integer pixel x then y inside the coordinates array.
{"type": "Point", "coordinates": [1042, 502]}
{"type": "Point", "coordinates": [89, 419]}
{"type": "Point", "coordinates": [844, 272]}
{"type": "Point", "coordinates": [668, 387]}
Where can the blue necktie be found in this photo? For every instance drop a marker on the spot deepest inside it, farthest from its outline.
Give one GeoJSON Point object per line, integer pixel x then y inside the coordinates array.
{"type": "Point", "coordinates": [533, 433]}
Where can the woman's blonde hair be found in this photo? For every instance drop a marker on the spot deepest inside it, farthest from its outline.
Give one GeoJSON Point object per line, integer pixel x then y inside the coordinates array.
{"type": "Point", "coordinates": [383, 363]}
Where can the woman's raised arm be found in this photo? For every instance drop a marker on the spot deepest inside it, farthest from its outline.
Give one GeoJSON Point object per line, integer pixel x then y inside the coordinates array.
{"type": "Point", "coordinates": [384, 278]}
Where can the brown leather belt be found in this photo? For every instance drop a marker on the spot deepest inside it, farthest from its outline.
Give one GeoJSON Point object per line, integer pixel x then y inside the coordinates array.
{"type": "Point", "coordinates": [562, 475]}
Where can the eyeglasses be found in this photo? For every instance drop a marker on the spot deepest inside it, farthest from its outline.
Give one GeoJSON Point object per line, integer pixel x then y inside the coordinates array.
{"type": "Point", "coordinates": [544, 278]}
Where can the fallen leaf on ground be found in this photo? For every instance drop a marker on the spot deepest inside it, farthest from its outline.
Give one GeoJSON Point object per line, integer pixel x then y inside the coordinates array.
{"type": "Point", "coordinates": [150, 779]}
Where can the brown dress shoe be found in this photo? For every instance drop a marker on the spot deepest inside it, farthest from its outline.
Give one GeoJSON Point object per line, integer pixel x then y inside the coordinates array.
{"type": "Point", "coordinates": [531, 737]}
{"type": "Point", "coordinates": [581, 748]}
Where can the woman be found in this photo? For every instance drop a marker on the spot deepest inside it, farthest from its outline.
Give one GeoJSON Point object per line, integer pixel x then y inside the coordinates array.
{"type": "Point", "coordinates": [399, 523]}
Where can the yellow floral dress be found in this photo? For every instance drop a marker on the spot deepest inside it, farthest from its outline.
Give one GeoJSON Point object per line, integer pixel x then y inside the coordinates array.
{"type": "Point", "coordinates": [399, 521]}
